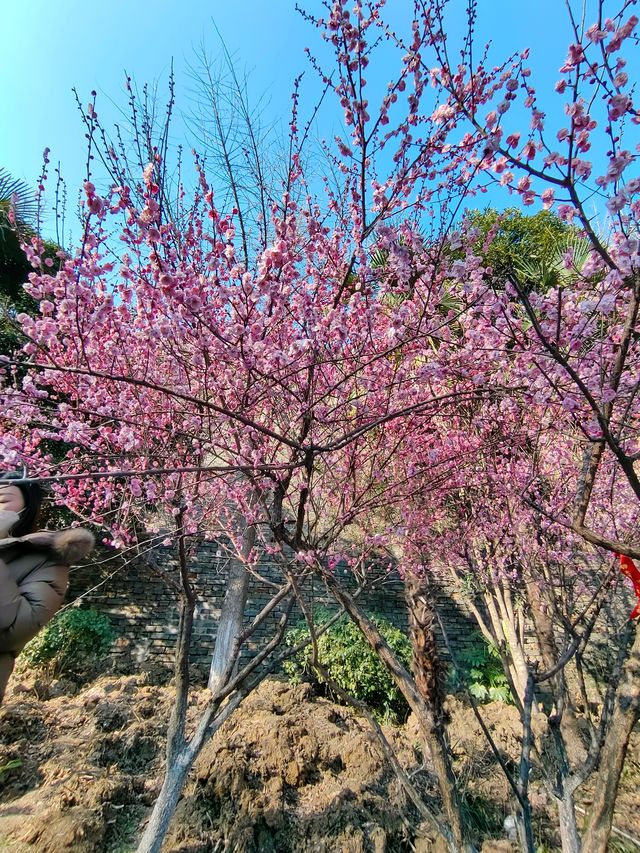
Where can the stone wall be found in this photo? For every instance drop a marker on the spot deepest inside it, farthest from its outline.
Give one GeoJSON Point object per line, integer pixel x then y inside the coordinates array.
{"type": "Point", "coordinates": [144, 610]}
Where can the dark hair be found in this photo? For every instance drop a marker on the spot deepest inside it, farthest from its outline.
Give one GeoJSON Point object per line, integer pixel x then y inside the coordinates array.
{"type": "Point", "coordinates": [32, 494]}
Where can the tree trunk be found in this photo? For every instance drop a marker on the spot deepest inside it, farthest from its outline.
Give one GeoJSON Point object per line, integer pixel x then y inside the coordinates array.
{"type": "Point", "coordinates": [624, 718]}
{"type": "Point", "coordinates": [165, 805]}
{"type": "Point", "coordinates": [542, 623]}
{"type": "Point", "coordinates": [515, 648]}
{"type": "Point", "coordinates": [569, 835]}
{"type": "Point", "coordinates": [232, 617]}
{"type": "Point", "coordinates": [554, 691]}
{"type": "Point", "coordinates": [432, 733]}
{"type": "Point", "coordinates": [507, 642]}
{"type": "Point", "coordinates": [179, 757]}
{"type": "Point", "coordinates": [179, 763]}
{"type": "Point", "coordinates": [427, 668]}
{"type": "Point", "coordinates": [438, 748]}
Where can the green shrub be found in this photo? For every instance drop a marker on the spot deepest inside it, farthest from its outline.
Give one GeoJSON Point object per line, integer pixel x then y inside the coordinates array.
{"type": "Point", "coordinates": [480, 672]}
{"type": "Point", "coordinates": [73, 639]}
{"type": "Point", "coordinates": [353, 665]}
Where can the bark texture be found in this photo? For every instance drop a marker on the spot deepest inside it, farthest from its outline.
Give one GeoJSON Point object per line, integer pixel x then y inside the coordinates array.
{"type": "Point", "coordinates": [232, 616]}
{"type": "Point", "coordinates": [625, 715]}
{"type": "Point", "coordinates": [427, 667]}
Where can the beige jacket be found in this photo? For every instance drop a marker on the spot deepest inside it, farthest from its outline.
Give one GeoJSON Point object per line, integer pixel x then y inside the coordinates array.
{"type": "Point", "coordinates": [34, 574]}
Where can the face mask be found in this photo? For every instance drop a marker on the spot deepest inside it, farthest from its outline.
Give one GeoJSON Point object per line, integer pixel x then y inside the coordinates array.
{"type": "Point", "coordinates": [7, 521]}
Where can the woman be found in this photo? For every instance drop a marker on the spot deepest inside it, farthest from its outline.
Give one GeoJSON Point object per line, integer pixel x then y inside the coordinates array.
{"type": "Point", "coordinates": [34, 568]}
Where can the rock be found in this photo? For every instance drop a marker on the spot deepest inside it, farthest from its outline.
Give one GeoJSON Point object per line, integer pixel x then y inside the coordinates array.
{"type": "Point", "coordinates": [378, 837]}
{"type": "Point", "coordinates": [511, 827]}
{"type": "Point", "coordinates": [42, 688]}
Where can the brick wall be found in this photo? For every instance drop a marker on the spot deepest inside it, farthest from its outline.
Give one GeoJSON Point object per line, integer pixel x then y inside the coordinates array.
{"type": "Point", "coordinates": [144, 610]}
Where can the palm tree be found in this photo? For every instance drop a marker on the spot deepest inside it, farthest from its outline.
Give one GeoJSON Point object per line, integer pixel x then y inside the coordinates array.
{"type": "Point", "coordinates": [551, 270]}
{"type": "Point", "coordinates": [15, 197]}
{"type": "Point", "coordinates": [18, 218]}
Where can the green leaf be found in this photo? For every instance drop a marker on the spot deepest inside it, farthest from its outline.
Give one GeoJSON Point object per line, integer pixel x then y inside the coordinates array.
{"type": "Point", "coordinates": [478, 690]}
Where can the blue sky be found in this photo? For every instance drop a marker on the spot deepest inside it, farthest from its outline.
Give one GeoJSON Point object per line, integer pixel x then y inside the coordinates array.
{"type": "Point", "coordinates": [48, 48]}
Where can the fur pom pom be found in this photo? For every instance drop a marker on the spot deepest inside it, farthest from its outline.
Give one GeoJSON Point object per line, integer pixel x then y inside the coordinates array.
{"type": "Point", "coordinates": [73, 544]}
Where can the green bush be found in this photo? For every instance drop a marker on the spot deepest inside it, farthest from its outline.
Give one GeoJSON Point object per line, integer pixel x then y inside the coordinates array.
{"type": "Point", "coordinates": [353, 665]}
{"type": "Point", "coordinates": [480, 672]}
{"type": "Point", "coordinates": [73, 639]}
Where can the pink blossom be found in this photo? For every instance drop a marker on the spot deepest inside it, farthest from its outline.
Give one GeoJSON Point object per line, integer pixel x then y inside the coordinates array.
{"type": "Point", "coordinates": [548, 198]}
{"type": "Point", "coordinates": [595, 35]}
{"type": "Point", "coordinates": [616, 203]}
{"type": "Point", "coordinates": [581, 168]}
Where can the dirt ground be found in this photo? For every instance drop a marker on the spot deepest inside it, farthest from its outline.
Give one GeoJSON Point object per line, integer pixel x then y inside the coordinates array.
{"type": "Point", "coordinates": [288, 772]}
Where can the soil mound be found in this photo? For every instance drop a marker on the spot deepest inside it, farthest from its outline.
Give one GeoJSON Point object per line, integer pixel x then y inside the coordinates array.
{"type": "Point", "coordinates": [80, 768]}
{"type": "Point", "coordinates": [294, 772]}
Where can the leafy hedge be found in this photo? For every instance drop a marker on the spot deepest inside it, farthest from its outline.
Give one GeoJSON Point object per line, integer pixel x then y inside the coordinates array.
{"type": "Point", "coordinates": [352, 664]}
{"type": "Point", "coordinates": [74, 638]}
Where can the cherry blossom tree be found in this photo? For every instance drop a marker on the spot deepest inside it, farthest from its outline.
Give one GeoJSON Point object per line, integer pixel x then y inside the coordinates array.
{"type": "Point", "coordinates": [572, 346]}
{"type": "Point", "coordinates": [570, 349]}
{"type": "Point", "coordinates": [342, 375]}
{"type": "Point", "coordinates": [199, 392]}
